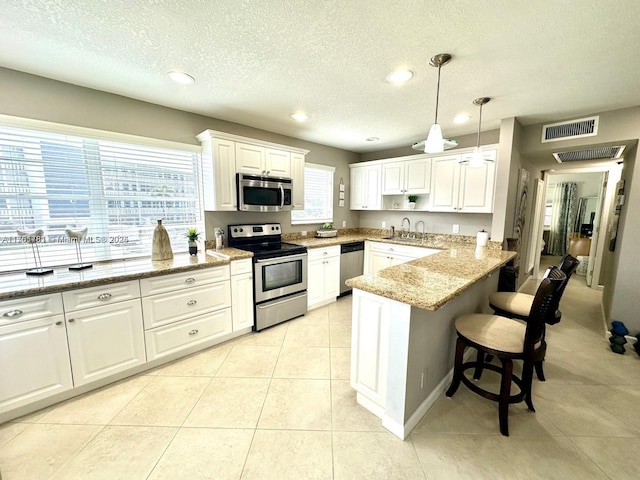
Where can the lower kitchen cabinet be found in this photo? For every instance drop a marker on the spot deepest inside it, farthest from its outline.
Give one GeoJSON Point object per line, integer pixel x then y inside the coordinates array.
{"type": "Point", "coordinates": [323, 276]}
{"type": "Point", "coordinates": [34, 361]}
{"type": "Point", "coordinates": [242, 294]}
{"type": "Point", "coordinates": [379, 255]}
{"type": "Point", "coordinates": [105, 340]}
{"type": "Point", "coordinates": [173, 338]}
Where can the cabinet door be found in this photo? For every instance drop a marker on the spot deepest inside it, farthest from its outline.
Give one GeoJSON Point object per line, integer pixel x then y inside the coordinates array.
{"type": "Point", "coordinates": [356, 197]}
{"type": "Point", "coordinates": [417, 176]}
{"type": "Point", "coordinates": [378, 261]}
{"type": "Point", "coordinates": [34, 361]}
{"type": "Point", "coordinates": [477, 186]}
{"type": "Point", "coordinates": [315, 281]}
{"type": "Point", "coordinates": [224, 164]}
{"type": "Point", "coordinates": [445, 184]}
{"type": "Point", "coordinates": [242, 301]}
{"type": "Point", "coordinates": [297, 175]}
{"type": "Point", "coordinates": [105, 340]}
{"type": "Point", "coordinates": [332, 278]}
{"type": "Point", "coordinates": [278, 163]}
{"type": "Point", "coordinates": [393, 181]}
{"type": "Point", "coordinates": [372, 195]}
{"type": "Point", "coordinates": [250, 159]}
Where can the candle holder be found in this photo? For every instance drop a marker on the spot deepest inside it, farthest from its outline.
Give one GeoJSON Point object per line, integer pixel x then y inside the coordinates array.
{"type": "Point", "coordinates": [76, 237]}
{"type": "Point", "coordinates": [33, 239]}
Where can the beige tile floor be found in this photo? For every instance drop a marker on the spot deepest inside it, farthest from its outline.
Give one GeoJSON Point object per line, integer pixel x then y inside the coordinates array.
{"type": "Point", "coordinates": [278, 405]}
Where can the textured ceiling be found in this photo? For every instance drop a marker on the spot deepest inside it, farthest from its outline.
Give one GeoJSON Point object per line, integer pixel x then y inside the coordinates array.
{"type": "Point", "coordinates": [256, 62]}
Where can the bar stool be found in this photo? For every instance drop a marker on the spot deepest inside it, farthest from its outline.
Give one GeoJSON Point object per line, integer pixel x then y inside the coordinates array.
{"type": "Point", "coordinates": [518, 305]}
{"type": "Point", "coordinates": [508, 341]}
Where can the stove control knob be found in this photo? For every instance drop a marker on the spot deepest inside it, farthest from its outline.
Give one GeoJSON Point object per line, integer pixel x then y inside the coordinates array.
{"type": "Point", "coordinates": [235, 230]}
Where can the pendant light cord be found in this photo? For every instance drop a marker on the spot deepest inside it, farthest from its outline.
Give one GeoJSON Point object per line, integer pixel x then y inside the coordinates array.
{"type": "Point", "coordinates": [479, 123]}
{"type": "Point", "coordinates": [438, 94]}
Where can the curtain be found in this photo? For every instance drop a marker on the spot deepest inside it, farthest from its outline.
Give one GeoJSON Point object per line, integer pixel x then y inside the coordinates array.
{"type": "Point", "coordinates": [563, 217]}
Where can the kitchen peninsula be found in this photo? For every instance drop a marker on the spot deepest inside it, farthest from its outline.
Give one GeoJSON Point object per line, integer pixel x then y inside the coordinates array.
{"type": "Point", "coordinates": [403, 334]}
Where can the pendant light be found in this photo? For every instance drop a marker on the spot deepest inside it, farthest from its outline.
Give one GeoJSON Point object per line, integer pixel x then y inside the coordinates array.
{"type": "Point", "coordinates": [435, 142]}
{"type": "Point", "coordinates": [477, 159]}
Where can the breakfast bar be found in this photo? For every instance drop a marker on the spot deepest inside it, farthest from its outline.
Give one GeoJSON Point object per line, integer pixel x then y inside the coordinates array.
{"type": "Point", "coordinates": [403, 334]}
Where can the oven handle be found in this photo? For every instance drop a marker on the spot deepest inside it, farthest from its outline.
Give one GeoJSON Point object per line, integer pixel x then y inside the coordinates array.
{"type": "Point", "coordinates": [281, 259]}
{"type": "Point", "coordinates": [280, 302]}
{"type": "Point", "coordinates": [281, 196]}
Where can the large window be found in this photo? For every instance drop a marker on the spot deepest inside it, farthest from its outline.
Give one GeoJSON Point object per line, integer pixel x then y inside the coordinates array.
{"type": "Point", "coordinates": [61, 183]}
{"type": "Point", "coordinates": [318, 195]}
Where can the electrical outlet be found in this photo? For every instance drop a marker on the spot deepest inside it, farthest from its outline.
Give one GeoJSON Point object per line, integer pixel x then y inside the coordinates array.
{"type": "Point", "coordinates": [384, 224]}
{"type": "Point", "coordinates": [456, 228]}
{"type": "Point", "coordinates": [303, 233]}
{"type": "Point", "coordinates": [344, 223]}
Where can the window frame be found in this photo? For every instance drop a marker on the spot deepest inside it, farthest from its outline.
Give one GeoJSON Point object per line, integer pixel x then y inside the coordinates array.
{"type": "Point", "coordinates": [304, 216]}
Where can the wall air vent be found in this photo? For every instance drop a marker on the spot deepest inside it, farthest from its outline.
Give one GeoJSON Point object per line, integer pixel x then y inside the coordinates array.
{"type": "Point", "coordinates": [583, 127]}
{"type": "Point", "coordinates": [595, 153]}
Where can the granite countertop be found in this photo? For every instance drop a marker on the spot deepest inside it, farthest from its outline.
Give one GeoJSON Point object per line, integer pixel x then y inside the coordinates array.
{"type": "Point", "coordinates": [19, 284]}
{"type": "Point", "coordinates": [430, 282]}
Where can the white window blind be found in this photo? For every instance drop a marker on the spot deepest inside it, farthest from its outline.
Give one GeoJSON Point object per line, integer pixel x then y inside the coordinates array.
{"type": "Point", "coordinates": [117, 190]}
{"type": "Point", "coordinates": [318, 195]}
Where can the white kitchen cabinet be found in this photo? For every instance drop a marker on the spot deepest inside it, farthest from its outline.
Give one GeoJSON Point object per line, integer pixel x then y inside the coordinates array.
{"type": "Point", "coordinates": [365, 187]}
{"type": "Point", "coordinates": [218, 173]}
{"type": "Point", "coordinates": [323, 275]}
{"type": "Point", "coordinates": [457, 188]}
{"type": "Point", "coordinates": [184, 309]}
{"type": "Point", "coordinates": [378, 255]}
{"type": "Point", "coordinates": [34, 357]}
{"type": "Point", "coordinates": [242, 294]}
{"type": "Point", "coordinates": [258, 160]}
{"type": "Point", "coordinates": [297, 176]}
{"type": "Point", "coordinates": [406, 177]}
{"type": "Point", "coordinates": [105, 340]}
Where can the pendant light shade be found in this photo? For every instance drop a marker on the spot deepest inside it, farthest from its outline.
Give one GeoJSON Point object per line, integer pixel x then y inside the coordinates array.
{"type": "Point", "coordinates": [477, 159]}
{"type": "Point", "coordinates": [435, 141]}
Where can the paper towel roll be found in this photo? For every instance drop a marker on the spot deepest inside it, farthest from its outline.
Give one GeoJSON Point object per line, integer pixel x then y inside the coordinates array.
{"type": "Point", "coordinates": [482, 239]}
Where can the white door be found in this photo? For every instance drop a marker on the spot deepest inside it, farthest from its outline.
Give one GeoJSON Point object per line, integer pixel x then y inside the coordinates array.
{"type": "Point", "coordinates": [393, 178]}
{"type": "Point", "coordinates": [417, 175]}
{"type": "Point", "coordinates": [278, 163]}
{"type": "Point", "coordinates": [445, 184]}
{"type": "Point", "coordinates": [476, 188]}
{"type": "Point", "coordinates": [315, 284]}
{"type": "Point", "coordinates": [242, 301]}
{"type": "Point", "coordinates": [224, 156]}
{"type": "Point", "coordinates": [250, 159]}
{"type": "Point", "coordinates": [373, 199]}
{"type": "Point", "coordinates": [358, 179]}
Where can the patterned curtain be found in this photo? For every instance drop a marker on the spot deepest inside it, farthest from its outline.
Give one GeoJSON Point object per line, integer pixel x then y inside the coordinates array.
{"type": "Point", "coordinates": [563, 217]}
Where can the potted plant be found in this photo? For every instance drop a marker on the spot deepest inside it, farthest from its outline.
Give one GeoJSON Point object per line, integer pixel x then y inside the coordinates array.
{"type": "Point", "coordinates": [412, 201]}
{"type": "Point", "coordinates": [327, 230]}
{"type": "Point", "coordinates": [193, 235]}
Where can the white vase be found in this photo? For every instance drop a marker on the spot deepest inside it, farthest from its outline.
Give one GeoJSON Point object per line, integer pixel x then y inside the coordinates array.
{"type": "Point", "coordinates": [161, 246]}
{"type": "Point", "coordinates": [412, 205]}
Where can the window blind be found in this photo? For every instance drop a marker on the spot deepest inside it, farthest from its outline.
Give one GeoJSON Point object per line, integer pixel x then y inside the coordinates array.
{"type": "Point", "coordinates": [61, 183]}
{"type": "Point", "coordinates": [318, 195]}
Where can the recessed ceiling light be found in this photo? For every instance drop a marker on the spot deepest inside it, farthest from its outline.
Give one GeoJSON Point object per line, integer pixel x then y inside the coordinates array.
{"type": "Point", "coordinates": [181, 77]}
{"type": "Point", "coordinates": [461, 118]}
{"type": "Point", "coordinates": [399, 76]}
{"type": "Point", "coordinates": [299, 117]}
{"type": "Point", "coordinates": [372, 139]}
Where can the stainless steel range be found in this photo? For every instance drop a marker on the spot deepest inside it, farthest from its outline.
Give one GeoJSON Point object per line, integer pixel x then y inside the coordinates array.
{"type": "Point", "coordinates": [279, 272]}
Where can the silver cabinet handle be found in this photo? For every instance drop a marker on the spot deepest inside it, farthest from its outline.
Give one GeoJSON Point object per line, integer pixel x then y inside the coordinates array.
{"type": "Point", "coordinates": [58, 323]}
{"type": "Point", "coordinates": [192, 302]}
{"type": "Point", "coordinates": [12, 313]}
{"type": "Point", "coordinates": [193, 332]}
{"type": "Point", "coordinates": [72, 320]}
{"type": "Point", "coordinates": [190, 280]}
{"type": "Point", "coordinates": [104, 296]}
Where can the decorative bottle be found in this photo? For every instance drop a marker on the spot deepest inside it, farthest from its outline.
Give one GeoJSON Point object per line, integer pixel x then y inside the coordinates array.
{"type": "Point", "coordinates": [161, 246]}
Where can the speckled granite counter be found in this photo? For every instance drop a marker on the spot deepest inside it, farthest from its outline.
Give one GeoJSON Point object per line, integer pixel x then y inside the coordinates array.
{"type": "Point", "coordinates": [15, 285]}
{"type": "Point", "coordinates": [432, 281]}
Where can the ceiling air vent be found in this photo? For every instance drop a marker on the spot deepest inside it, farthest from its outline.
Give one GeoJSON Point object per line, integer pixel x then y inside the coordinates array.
{"type": "Point", "coordinates": [595, 153]}
{"type": "Point", "coordinates": [583, 127]}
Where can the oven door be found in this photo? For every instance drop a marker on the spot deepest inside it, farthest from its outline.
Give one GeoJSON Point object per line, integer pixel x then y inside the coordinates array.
{"type": "Point", "coordinates": [263, 194]}
{"type": "Point", "coordinates": [275, 277]}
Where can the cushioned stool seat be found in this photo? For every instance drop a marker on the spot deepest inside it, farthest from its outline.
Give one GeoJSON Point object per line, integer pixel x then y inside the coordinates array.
{"type": "Point", "coordinates": [513, 302]}
{"type": "Point", "coordinates": [493, 332]}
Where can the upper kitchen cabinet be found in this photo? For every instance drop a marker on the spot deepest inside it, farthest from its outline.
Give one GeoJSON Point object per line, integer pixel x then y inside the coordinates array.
{"type": "Point", "coordinates": [365, 187]}
{"type": "Point", "coordinates": [455, 187]}
{"type": "Point", "coordinates": [404, 177]}
{"type": "Point", "coordinates": [224, 155]}
{"type": "Point", "coordinates": [257, 160]}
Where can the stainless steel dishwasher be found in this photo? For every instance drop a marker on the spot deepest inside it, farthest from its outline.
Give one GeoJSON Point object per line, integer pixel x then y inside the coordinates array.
{"type": "Point", "coordinates": [351, 263]}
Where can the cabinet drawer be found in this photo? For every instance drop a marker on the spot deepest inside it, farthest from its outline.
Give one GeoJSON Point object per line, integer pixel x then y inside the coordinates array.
{"type": "Point", "coordinates": [102, 295]}
{"type": "Point", "coordinates": [239, 267]}
{"type": "Point", "coordinates": [181, 281]}
{"type": "Point", "coordinates": [172, 307]}
{"type": "Point", "coordinates": [172, 338]}
{"type": "Point", "coordinates": [323, 252]}
{"type": "Point", "coordinates": [30, 308]}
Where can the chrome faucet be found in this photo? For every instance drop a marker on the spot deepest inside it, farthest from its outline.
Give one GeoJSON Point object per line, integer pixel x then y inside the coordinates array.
{"type": "Point", "coordinates": [402, 235]}
{"type": "Point", "coordinates": [418, 223]}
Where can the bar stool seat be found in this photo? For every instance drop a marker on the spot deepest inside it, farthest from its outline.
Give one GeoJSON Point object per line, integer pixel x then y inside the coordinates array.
{"type": "Point", "coordinates": [513, 302]}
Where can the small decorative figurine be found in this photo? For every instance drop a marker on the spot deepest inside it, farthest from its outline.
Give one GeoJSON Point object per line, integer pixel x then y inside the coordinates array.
{"type": "Point", "coordinates": [76, 237]}
{"type": "Point", "coordinates": [35, 238]}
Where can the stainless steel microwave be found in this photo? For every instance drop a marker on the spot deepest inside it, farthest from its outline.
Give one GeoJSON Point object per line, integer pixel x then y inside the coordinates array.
{"type": "Point", "coordinates": [263, 194]}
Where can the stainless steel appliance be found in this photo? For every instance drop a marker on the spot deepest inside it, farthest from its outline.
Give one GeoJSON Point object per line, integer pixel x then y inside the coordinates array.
{"type": "Point", "coordinates": [351, 263]}
{"type": "Point", "coordinates": [263, 194]}
{"type": "Point", "coordinates": [279, 272]}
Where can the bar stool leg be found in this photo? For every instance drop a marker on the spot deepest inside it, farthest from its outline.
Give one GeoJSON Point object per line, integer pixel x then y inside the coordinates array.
{"type": "Point", "coordinates": [457, 368]}
{"type": "Point", "coordinates": [505, 393]}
